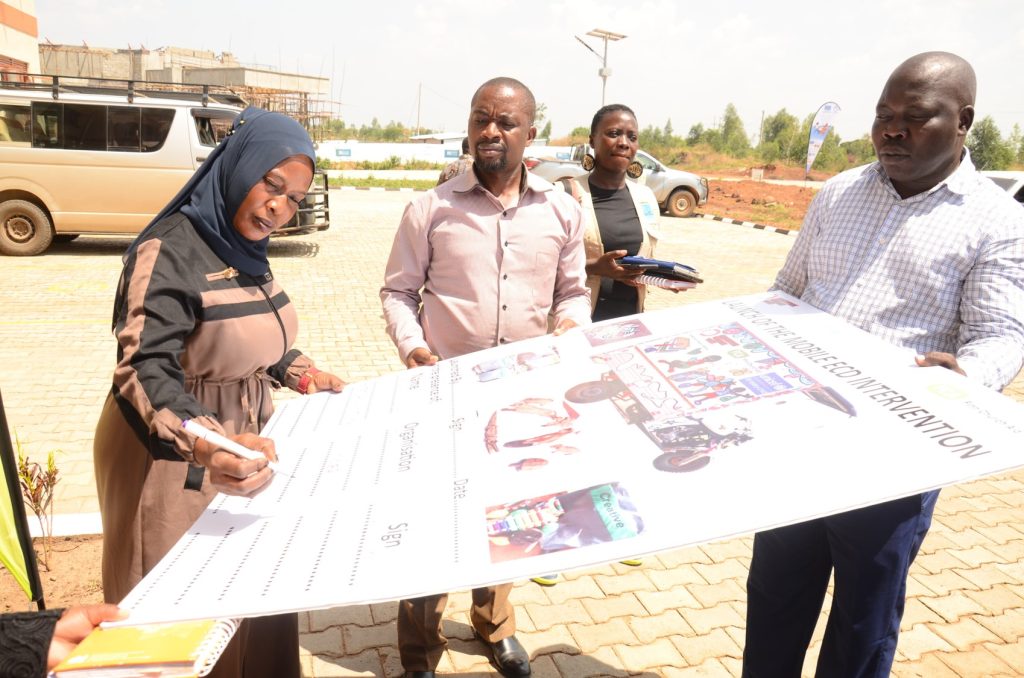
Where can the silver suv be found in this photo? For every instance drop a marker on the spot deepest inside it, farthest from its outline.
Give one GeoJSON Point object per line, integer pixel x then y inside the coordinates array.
{"type": "Point", "coordinates": [679, 193]}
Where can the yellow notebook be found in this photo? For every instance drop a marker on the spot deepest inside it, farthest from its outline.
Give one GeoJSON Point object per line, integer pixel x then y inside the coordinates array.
{"type": "Point", "coordinates": [176, 649]}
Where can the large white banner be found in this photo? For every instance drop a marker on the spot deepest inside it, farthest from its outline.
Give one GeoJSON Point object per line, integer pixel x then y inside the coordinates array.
{"type": "Point", "coordinates": [628, 437]}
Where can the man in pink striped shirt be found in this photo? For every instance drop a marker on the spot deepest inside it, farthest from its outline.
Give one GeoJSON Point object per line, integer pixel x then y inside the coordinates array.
{"type": "Point", "coordinates": [479, 261]}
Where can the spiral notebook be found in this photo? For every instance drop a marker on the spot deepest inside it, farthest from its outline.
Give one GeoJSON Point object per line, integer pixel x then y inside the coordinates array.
{"type": "Point", "coordinates": [185, 649]}
{"type": "Point", "coordinates": [666, 283]}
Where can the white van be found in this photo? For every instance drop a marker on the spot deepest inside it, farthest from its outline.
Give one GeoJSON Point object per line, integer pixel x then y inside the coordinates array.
{"type": "Point", "coordinates": [101, 159]}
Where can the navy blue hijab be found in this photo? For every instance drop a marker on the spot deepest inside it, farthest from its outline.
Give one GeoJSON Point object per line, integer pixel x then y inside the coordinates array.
{"type": "Point", "coordinates": [259, 140]}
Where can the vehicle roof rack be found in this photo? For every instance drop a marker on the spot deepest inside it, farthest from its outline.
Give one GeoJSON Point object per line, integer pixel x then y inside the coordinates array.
{"type": "Point", "coordinates": [130, 89]}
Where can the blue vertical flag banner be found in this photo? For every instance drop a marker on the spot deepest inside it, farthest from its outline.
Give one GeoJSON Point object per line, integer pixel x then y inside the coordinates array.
{"type": "Point", "coordinates": [820, 127]}
{"type": "Point", "coordinates": [16, 553]}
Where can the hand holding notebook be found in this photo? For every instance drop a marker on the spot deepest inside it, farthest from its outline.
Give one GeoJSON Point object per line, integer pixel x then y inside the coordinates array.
{"type": "Point", "coordinates": [662, 269]}
{"type": "Point", "coordinates": [182, 649]}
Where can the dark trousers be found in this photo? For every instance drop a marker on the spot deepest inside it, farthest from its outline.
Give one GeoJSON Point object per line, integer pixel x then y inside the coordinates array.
{"type": "Point", "coordinates": [871, 550]}
{"type": "Point", "coordinates": [420, 641]}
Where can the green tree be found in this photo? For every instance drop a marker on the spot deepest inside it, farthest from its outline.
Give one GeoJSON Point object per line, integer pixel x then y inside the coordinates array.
{"type": "Point", "coordinates": [713, 138]}
{"type": "Point", "coordinates": [546, 132]}
{"type": "Point", "coordinates": [335, 128]}
{"type": "Point", "coordinates": [780, 125]}
{"type": "Point", "coordinates": [859, 151]}
{"type": "Point", "coordinates": [797, 150]}
{"type": "Point", "coordinates": [695, 135]}
{"type": "Point", "coordinates": [580, 132]}
{"type": "Point", "coordinates": [734, 139]}
{"type": "Point", "coordinates": [988, 150]}
{"type": "Point", "coordinates": [780, 137]}
{"type": "Point", "coordinates": [651, 137]}
{"type": "Point", "coordinates": [769, 151]}
{"type": "Point", "coordinates": [668, 129]}
{"type": "Point", "coordinates": [395, 131]}
{"type": "Point", "coordinates": [1016, 143]}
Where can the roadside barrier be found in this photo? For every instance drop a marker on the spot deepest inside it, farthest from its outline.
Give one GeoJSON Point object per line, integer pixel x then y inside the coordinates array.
{"type": "Point", "coordinates": [760, 227]}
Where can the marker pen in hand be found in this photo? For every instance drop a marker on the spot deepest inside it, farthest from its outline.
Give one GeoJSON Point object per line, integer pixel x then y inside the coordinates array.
{"type": "Point", "coordinates": [224, 443]}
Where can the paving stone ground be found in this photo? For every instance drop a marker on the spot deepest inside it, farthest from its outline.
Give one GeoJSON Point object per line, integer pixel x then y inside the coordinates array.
{"type": "Point", "coordinates": [680, 614]}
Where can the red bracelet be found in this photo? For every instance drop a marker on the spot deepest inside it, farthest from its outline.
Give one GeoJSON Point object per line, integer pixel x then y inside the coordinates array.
{"type": "Point", "coordinates": [304, 380]}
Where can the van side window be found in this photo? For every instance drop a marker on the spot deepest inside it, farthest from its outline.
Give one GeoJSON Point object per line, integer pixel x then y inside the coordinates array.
{"type": "Point", "coordinates": [85, 127]}
{"type": "Point", "coordinates": [123, 129]}
{"type": "Point", "coordinates": [47, 122]}
{"type": "Point", "coordinates": [212, 125]}
{"type": "Point", "coordinates": [156, 123]}
{"type": "Point", "coordinates": [95, 128]}
{"type": "Point", "coordinates": [221, 127]}
{"type": "Point", "coordinates": [15, 125]}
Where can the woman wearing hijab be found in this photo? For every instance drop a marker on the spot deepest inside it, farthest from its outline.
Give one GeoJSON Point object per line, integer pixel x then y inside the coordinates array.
{"type": "Point", "coordinates": [204, 332]}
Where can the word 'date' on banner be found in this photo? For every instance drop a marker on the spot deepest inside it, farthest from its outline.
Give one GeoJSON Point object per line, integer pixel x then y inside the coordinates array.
{"type": "Point", "coordinates": [624, 438]}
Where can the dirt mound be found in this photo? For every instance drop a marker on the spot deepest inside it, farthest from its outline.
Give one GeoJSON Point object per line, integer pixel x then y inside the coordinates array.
{"type": "Point", "coordinates": [73, 577]}
{"type": "Point", "coordinates": [776, 205]}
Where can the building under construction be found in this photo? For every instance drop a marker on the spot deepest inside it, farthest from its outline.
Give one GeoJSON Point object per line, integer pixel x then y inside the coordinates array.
{"type": "Point", "coordinates": [303, 97]}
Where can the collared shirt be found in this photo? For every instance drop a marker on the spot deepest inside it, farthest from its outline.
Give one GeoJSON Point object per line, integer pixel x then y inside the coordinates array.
{"type": "Point", "coordinates": [939, 271]}
{"type": "Point", "coordinates": [484, 274]}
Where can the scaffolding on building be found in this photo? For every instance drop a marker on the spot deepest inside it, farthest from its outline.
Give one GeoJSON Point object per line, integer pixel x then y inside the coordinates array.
{"type": "Point", "coordinates": [312, 111]}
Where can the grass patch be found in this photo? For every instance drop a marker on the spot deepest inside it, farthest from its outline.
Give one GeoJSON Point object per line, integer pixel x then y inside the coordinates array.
{"type": "Point", "coordinates": [372, 181]}
{"type": "Point", "coordinates": [780, 216]}
{"type": "Point", "coordinates": [391, 163]}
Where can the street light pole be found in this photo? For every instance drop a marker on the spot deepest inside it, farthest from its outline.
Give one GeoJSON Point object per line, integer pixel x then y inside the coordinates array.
{"type": "Point", "coordinates": [604, 71]}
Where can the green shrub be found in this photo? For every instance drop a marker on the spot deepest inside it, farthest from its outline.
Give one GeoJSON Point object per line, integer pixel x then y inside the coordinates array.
{"type": "Point", "coordinates": [390, 163]}
{"type": "Point", "coordinates": [37, 486]}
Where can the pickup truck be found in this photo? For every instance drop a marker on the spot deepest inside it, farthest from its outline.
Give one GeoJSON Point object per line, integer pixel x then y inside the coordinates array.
{"type": "Point", "coordinates": [679, 193]}
{"type": "Point", "coordinates": [314, 213]}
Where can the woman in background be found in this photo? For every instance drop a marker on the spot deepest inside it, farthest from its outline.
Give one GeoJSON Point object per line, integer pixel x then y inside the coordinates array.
{"type": "Point", "coordinates": [621, 216]}
{"type": "Point", "coordinates": [621, 220]}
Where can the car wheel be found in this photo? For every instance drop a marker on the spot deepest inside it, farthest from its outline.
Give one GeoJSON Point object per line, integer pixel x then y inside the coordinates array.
{"type": "Point", "coordinates": [25, 230]}
{"type": "Point", "coordinates": [591, 392]}
{"type": "Point", "coordinates": [682, 203]}
{"type": "Point", "coordinates": [681, 462]}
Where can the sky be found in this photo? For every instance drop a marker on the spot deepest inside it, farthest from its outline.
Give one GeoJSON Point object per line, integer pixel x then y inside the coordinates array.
{"type": "Point", "coordinates": [681, 61]}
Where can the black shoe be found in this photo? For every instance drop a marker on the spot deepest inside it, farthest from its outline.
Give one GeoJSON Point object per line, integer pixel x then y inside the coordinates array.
{"type": "Point", "coordinates": [419, 674]}
{"type": "Point", "coordinates": [511, 658]}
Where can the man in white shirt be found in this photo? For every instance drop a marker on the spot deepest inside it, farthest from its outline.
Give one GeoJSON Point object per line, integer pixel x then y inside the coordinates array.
{"type": "Point", "coordinates": [921, 250]}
